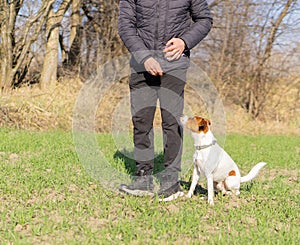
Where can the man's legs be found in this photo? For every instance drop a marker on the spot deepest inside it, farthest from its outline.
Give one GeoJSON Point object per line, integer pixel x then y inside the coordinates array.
{"type": "Point", "coordinates": [143, 98]}
{"type": "Point", "coordinates": [145, 90]}
{"type": "Point", "coordinates": [171, 97]}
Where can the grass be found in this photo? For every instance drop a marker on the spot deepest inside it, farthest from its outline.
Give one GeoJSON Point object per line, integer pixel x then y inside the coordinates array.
{"type": "Point", "coordinates": [48, 198]}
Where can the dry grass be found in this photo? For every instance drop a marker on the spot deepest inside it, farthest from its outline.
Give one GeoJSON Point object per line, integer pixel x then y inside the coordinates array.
{"type": "Point", "coordinates": [33, 109]}
{"type": "Point", "coordinates": [239, 122]}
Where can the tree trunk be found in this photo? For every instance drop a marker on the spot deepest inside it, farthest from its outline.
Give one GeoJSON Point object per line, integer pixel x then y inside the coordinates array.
{"type": "Point", "coordinates": [7, 36]}
{"type": "Point", "coordinates": [72, 62]}
{"type": "Point", "coordinates": [16, 50]}
{"type": "Point", "coordinates": [258, 91]}
{"type": "Point", "coordinates": [49, 71]}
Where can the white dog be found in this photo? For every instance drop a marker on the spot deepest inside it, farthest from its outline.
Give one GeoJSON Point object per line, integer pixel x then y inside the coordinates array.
{"type": "Point", "coordinates": [211, 161]}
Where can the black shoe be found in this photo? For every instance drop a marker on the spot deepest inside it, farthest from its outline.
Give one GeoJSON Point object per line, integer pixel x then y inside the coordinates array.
{"type": "Point", "coordinates": [142, 186]}
{"type": "Point", "coordinates": [169, 194]}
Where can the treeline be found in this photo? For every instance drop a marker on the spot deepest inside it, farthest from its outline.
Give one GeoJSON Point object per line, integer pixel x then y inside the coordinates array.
{"type": "Point", "coordinates": [253, 45]}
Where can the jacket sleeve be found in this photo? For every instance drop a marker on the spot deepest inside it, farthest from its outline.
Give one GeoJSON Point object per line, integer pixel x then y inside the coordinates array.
{"type": "Point", "coordinates": [128, 31]}
{"type": "Point", "coordinates": [202, 23]}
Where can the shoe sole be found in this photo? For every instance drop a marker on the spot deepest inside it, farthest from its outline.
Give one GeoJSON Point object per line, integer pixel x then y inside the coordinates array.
{"type": "Point", "coordinates": [135, 192]}
{"type": "Point", "coordinates": [172, 197]}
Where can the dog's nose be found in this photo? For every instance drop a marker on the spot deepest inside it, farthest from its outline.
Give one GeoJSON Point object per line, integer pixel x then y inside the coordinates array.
{"type": "Point", "coordinates": [183, 119]}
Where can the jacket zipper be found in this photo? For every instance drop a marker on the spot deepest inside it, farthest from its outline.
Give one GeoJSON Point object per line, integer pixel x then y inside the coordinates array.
{"type": "Point", "coordinates": [166, 19]}
{"type": "Point", "coordinates": [156, 27]}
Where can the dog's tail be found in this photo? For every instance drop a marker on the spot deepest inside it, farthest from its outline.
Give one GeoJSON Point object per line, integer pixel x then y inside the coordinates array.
{"type": "Point", "coordinates": [253, 172]}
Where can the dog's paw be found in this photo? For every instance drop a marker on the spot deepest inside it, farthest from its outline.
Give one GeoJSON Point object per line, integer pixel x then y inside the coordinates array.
{"type": "Point", "coordinates": [189, 195]}
{"type": "Point", "coordinates": [227, 193]}
{"type": "Point", "coordinates": [237, 192]}
{"type": "Point", "coordinates": [210, 201]}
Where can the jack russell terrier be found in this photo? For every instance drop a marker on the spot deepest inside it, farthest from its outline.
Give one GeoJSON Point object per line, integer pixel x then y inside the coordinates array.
{"type": "Point", "coordinates": [211, 161]}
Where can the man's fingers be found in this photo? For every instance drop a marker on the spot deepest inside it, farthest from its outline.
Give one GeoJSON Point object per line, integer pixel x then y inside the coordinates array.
{"type": "Point", "coordinates": [159, 72]}
{"type": "Point", "coordinates": [169, 49]}
{"type": "Point", "coordinates": [170, 42]}
{"type": "Point", "coordinates": [153, 67]}
{"type": "Point", "coordinates": [175, 55]}
{"type": "Point", "coordinates": [174, 49]}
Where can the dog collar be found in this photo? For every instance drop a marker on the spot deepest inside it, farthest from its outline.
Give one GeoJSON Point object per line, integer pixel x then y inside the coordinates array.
{"type": "Point", "coordinates": [202, 147]}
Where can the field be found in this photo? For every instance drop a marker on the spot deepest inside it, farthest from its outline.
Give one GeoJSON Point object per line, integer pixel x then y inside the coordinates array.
{"type": "Point", "coordinates": [48, 198]}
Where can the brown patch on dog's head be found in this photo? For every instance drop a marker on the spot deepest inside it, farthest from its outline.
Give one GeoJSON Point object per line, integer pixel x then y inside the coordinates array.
{"type": "Point", "coordinates": [198, 124]}
{"type": "Point", "coordinates": [232, 173]}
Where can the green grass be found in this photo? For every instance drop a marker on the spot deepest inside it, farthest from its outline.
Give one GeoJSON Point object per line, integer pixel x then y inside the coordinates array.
{"type": "Point", "coordinates": [48, 198]}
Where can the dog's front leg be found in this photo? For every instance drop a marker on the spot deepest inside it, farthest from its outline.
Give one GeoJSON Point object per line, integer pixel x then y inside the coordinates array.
{"type": "Point", "coordinates": [195, 179]}
{"type": "Point", "coordinates": [210, 189]}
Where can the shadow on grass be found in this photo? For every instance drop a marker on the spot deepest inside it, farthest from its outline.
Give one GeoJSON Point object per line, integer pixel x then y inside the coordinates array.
{"type": "Point", "coordinates": [199, 190]}
{"type": "Point", "coordinates": [130, 167]}
{"type": "Point", "coordinates": [129, 163]}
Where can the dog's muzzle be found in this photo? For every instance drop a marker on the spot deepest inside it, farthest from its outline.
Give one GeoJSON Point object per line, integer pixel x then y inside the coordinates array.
{"type": "Point", "coordinates": [184, 119]}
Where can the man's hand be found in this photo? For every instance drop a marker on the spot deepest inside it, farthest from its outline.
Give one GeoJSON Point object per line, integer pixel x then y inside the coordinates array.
{"type": "Point", "coordinates": [153, 67]}
{"type": "Point", "coordinates": [174, 49]}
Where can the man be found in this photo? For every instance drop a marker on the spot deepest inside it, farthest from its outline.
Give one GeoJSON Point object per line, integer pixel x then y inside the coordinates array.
{"type": "Point", "coordinates": [159, 34]}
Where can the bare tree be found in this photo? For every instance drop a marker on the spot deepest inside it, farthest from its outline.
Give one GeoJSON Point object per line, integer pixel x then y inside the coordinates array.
{"type": "Point", "coordinates": [244, 53]}
{"type": "Point", "coordinates": [75, 36]}
{"type": "Point", "coordinates": [90, 37]}
{"type": "Point", "coordinates": [241, 47]}
{"type": "Point", "coordinates": [49, 71]}
{"type": "Point", "coordinates": [100, 39]}
{"type": "Point", "coordinates": [15, 49]}
{"type": "Point", "coordinates": [258, 88]}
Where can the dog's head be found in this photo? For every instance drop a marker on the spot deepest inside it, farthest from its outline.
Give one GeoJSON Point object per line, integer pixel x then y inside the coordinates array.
{"type": "Point", "coordinates": [196, 124]}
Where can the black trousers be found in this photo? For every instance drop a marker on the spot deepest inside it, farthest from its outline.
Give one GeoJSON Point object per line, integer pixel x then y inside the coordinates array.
{"type": "Point", "coordinates": [145, 91]}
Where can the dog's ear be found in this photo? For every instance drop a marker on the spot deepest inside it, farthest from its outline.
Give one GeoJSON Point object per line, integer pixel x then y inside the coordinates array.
{"type": "Point", "coordinates": [205, 122]}
{"type": "Point", "coordinates": [201, 128]}
{"type": "Point", "coordinates": [204, 126]}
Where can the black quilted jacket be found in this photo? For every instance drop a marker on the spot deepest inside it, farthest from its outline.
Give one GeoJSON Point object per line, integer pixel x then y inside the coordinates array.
{"type": "Point", "coordinates": [146, 25]}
